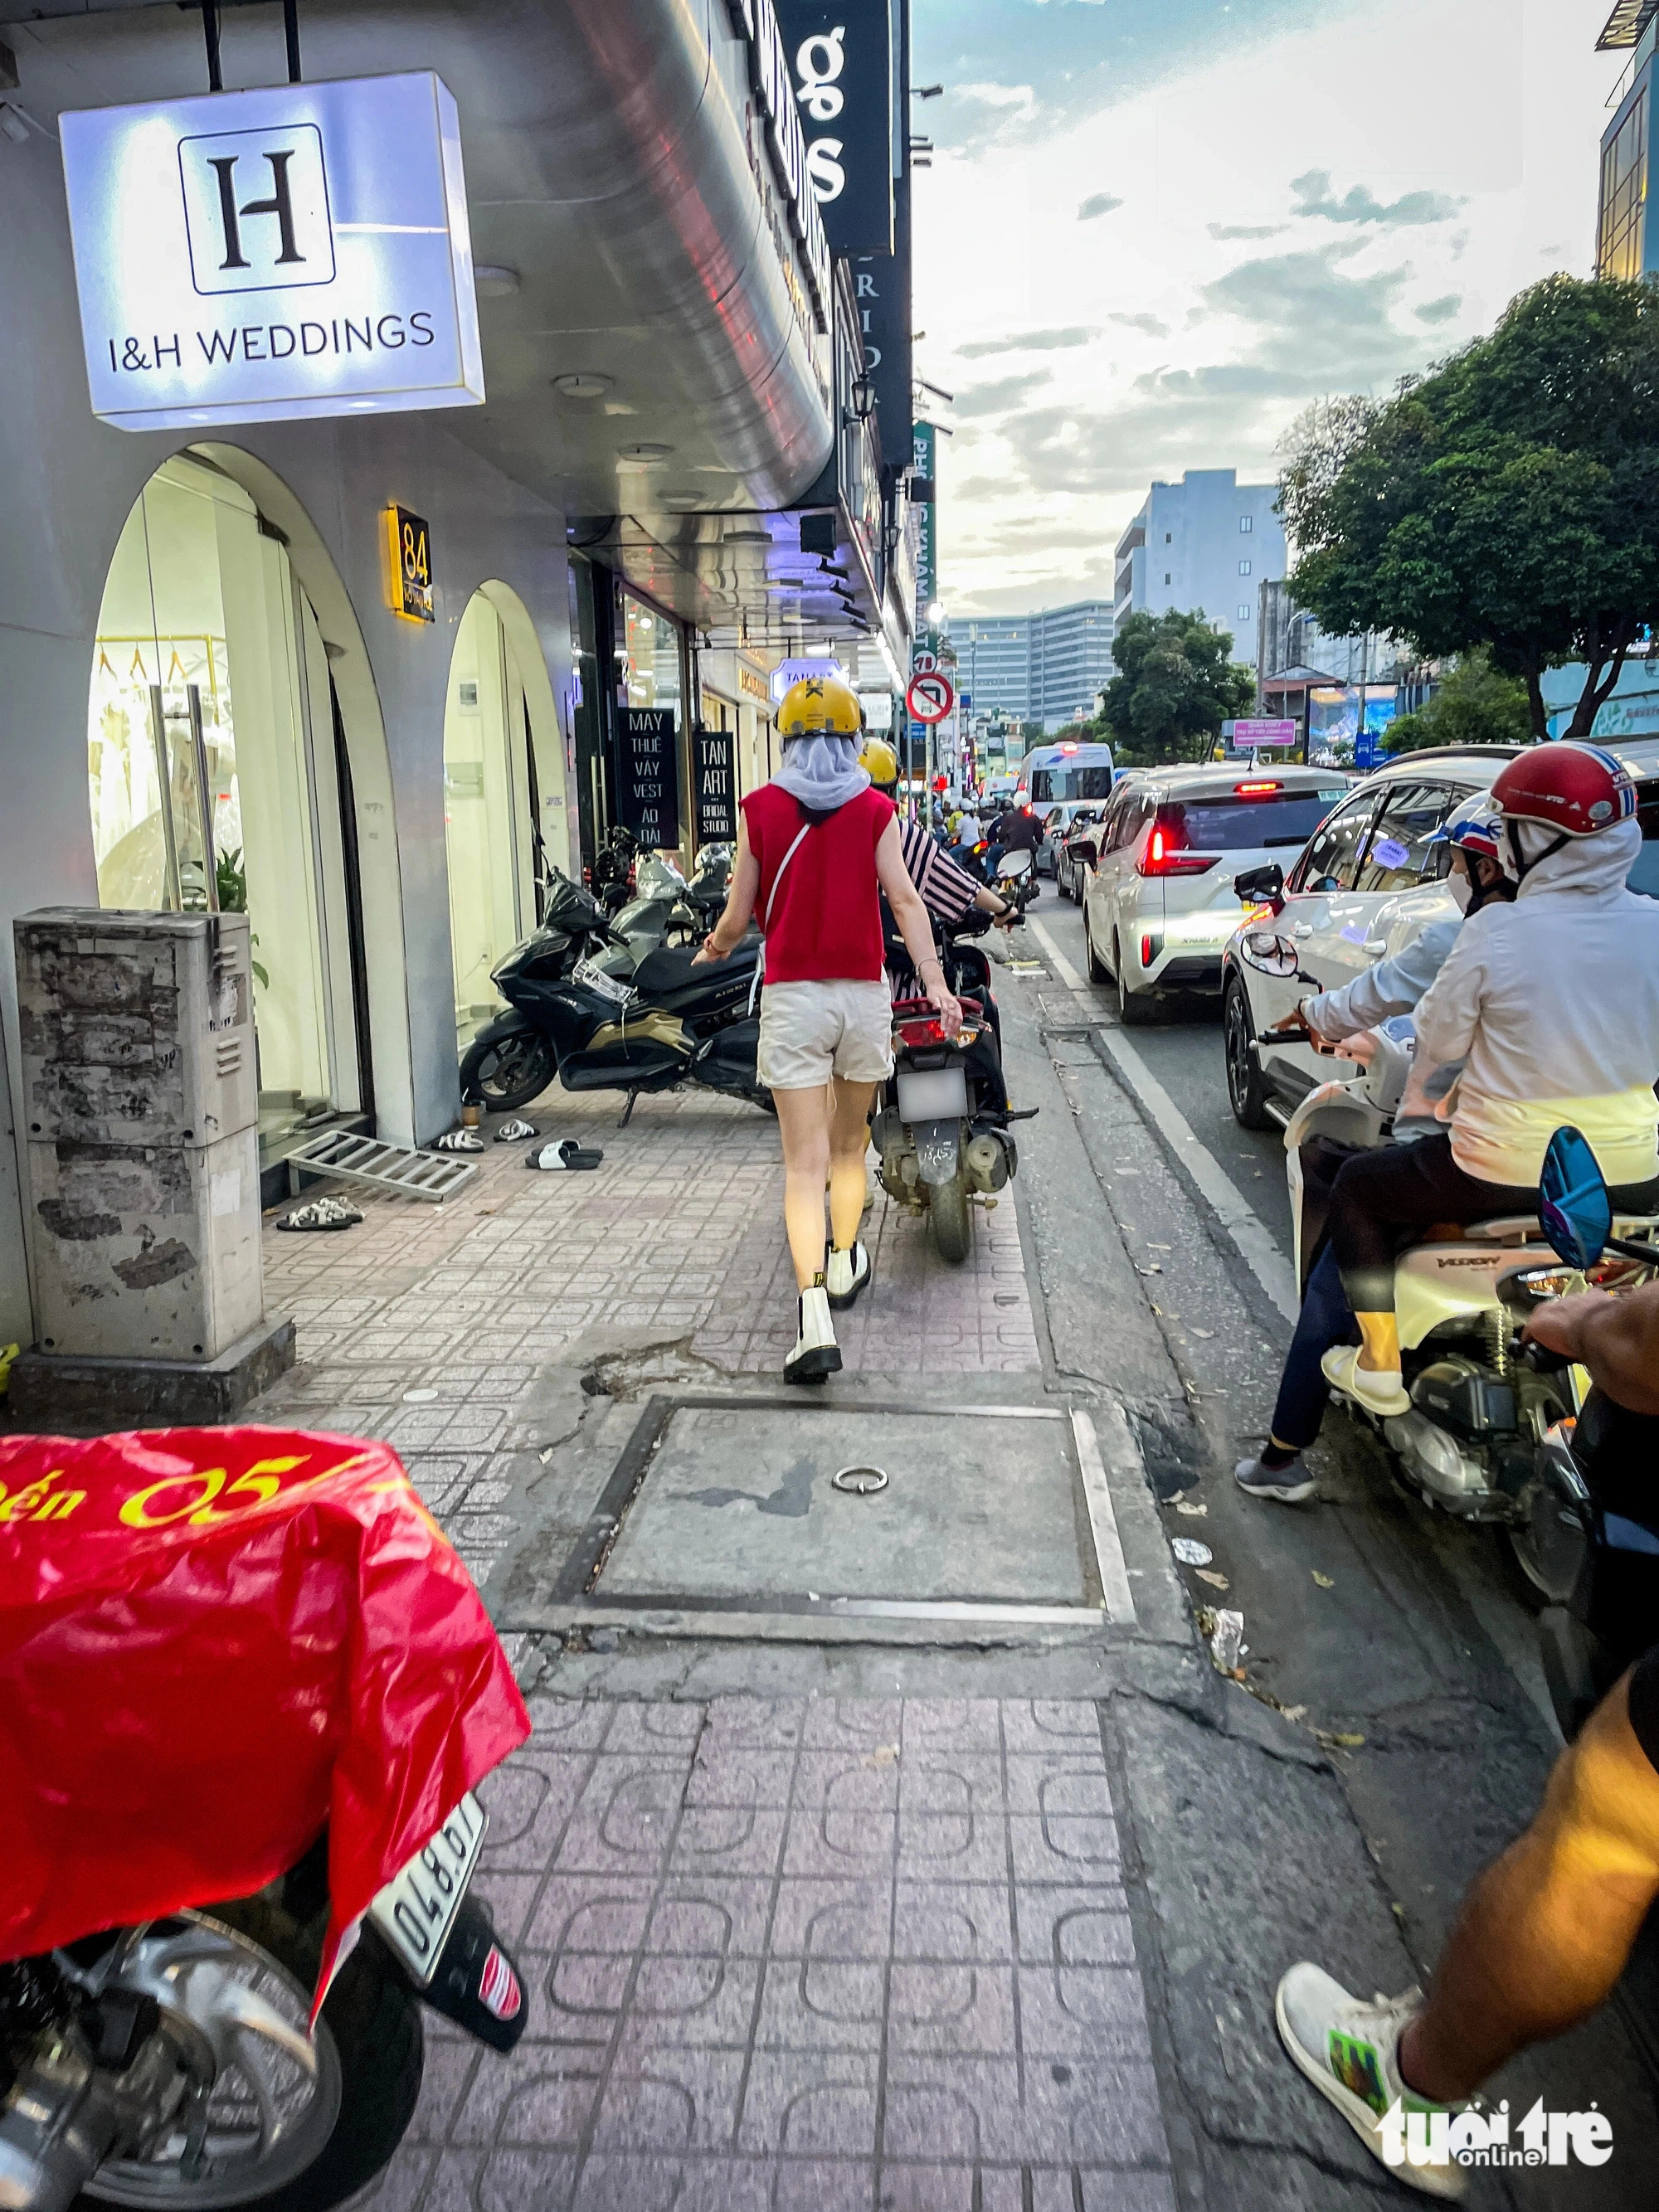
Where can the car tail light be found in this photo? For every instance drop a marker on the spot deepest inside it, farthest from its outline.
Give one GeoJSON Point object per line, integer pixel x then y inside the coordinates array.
{"type": "Point", "coordinates": [1163, 857]}
{"type": "Point", "coordinates": [1149, 949]}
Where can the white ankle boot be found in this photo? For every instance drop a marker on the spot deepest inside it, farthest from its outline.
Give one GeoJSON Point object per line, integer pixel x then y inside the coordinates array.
{"type": "Point", "coordinates": [845, 1276]}
{"type": "Point", "coordinates": [816, 1356]}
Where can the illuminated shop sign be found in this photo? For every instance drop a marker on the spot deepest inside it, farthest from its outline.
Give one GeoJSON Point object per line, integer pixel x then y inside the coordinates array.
{"type": "Point", "coordinates": [775, 91]}
{"type": "Point", "coordinates": [255, 257]}
{"type": "Point", "coordinates": [841, 53]}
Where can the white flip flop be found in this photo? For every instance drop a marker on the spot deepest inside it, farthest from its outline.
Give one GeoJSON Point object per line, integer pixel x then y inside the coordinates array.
{"type": "Point", "coordinates": [459, 1140]}
{"type": "Point", "coordinates": [515, 1132]}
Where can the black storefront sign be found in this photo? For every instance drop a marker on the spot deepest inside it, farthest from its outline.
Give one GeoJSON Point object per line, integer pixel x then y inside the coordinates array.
{"type": "Point", "coordinates": [881, 292]}
{"type": "Point", "coordinates": [647, 778]}
{"type": "Point", "coordinates": [715, 782]}
{"type": "Point", "coordinates": [842, 59]}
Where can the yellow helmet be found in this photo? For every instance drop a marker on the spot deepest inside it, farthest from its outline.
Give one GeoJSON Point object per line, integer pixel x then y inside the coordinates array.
{"type": "Point", "coordinates": [880, 762]}
{"type": "Point", "coordinates": [820, 706]}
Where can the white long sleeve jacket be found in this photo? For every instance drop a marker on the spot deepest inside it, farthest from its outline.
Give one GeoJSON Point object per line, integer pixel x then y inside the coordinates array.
{"type": "Point", "coordinates": [1552, 1005]}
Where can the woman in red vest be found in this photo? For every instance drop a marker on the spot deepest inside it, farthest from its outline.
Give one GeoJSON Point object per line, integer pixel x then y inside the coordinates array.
{"type": "Point", "coordinates": [816, 848]}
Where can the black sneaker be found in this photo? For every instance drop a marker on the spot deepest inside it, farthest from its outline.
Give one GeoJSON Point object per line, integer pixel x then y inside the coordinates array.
{"type": "Point", "coordinates": [1289, 1484]}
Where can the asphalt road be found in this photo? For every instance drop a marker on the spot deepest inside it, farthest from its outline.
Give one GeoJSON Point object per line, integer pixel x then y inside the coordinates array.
{"type": "Point", "coordinates": [1395, 1636]}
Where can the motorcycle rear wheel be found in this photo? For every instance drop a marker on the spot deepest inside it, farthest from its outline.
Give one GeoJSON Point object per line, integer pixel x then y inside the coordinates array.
{"type": "Point", "coordinates": [508, 1071]}
{"type": "Point", "coordinates": [952, 1218]}
{"type": "Point", "coordinates": [370, 2053]}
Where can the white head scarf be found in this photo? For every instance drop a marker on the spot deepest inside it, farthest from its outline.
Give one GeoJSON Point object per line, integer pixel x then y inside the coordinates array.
{"type": "Point", "coordinates": [822, 771]}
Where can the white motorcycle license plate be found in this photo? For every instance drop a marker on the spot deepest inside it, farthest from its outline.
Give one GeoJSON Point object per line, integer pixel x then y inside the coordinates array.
{"type": "Point", "coordinates": [416, 1909]}
{"type": "Point", "coordinates": [932, 1094]}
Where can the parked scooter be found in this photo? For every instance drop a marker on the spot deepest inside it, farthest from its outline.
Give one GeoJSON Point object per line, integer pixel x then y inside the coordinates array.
{"type": "Point", "coordinates": [301, 1680]}
{"type": "Point", "coordinates": [612, 876]}
{"type": "Point", "coordinates": [666, 910]}
{"type": "Point", "coordinates": [943, 1134]}
{"type": "Point", "coordinates": [586, 1008]}
{"type": "Point", "coordinates": [1482, 1439]}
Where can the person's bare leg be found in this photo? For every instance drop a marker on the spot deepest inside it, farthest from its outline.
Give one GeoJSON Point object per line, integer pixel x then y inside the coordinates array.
{"type": "Point", "coordinates": [849, 1141]}
{"type": "Point", "coordinates": [1379, 1348]}
{"type": "Point", "coordinates": [1545, 1933]}
{"type": "Point", "coordinates": [804, 1124]}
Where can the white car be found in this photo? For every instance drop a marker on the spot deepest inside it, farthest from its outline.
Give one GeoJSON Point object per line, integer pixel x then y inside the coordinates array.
{"type": "Point", "coordinates": [1371, 879]}
{"type": "Point", "coordinates": [1158, 902]}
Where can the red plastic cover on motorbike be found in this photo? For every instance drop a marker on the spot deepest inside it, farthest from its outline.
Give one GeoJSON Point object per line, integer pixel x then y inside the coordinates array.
{"type": "Point", "coordinates": [212, 1641]}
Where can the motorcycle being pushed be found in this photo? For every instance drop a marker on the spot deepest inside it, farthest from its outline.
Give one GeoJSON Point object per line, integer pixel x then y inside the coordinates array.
{"type": "Point", "coordinates": [250, 1693]}
{"type": "Point", "coordinates": [943, 1134]}
{"type": "Point", "coordinates": [596, 1011]}
{"type": "Point", "coordinates": [1486, 1436]}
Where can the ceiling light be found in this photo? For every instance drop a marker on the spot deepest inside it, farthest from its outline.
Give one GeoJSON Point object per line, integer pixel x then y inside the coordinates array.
{"type": "Point", "coordinates": [644, 453]}
{"type": "Point", "coordinates": [581, 384]}
{"type": "Point", "coordinates": [492, 282]}
{"type": "Point", "coordinates": [682, 501]}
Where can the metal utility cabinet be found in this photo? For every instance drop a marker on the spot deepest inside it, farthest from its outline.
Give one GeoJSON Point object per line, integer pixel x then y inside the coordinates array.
{"type": "Point", "coordinates": [140, 1131]}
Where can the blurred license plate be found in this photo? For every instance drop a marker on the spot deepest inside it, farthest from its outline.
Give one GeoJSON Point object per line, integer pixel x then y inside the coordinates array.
{"type": "Point", "coordinates": [416, 1909]}
{"type": "Point", "coordinates": [932, 1094]}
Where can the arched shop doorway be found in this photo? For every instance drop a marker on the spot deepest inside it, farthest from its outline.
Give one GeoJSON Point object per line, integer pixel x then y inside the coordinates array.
{"type": "Point", "coordinates": [209, 650]}
{"type": "Point", "coordinates": [492, 801]}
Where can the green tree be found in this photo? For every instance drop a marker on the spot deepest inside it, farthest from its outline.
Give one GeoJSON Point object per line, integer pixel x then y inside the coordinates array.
{"type": "Point", "coordinates": [1508, 500]}
{"type": "Point", "coordinates": [1176, 684]}
{"type": "Point", "coordinates": [1476, 705]}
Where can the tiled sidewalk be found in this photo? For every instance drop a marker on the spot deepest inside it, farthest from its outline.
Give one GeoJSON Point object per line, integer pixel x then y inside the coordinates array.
{"type": "Point", "coordinates": [429, 1325]}
{"type": "Point", "coordinates": [804, 1955]}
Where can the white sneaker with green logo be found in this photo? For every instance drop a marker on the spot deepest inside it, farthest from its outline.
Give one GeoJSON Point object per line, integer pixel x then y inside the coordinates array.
{"type": "Point", "coordinates": [1349, 2050]}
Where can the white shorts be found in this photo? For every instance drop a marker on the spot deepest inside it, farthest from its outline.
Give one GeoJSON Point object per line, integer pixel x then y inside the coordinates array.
{"type": "Point", "coordinates": [811, 1032]}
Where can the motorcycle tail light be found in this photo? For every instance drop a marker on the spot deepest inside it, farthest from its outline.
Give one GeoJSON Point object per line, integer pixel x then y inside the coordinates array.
{"type": "Point", "coordinates": [916, 1035]}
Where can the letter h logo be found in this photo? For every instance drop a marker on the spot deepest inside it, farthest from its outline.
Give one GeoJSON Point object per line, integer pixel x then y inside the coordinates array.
{"type": "Point", "coordinates": [256, 209]}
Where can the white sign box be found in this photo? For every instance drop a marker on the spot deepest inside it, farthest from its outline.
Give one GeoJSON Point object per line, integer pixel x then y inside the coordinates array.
{"type": "Point", "coordinates": [253, 257]}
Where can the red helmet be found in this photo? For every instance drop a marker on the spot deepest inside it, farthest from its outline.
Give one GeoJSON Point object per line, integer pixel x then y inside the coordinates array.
{"type": "Point", "coordinates": [1574, 787]}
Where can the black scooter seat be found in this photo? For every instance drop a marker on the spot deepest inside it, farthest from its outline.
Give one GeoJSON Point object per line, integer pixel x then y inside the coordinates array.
{"type": "Point", "coordinates": [668, 969]}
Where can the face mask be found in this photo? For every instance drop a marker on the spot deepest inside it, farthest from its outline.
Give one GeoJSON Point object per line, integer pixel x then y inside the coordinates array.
{"type": "Point", "coordinates": [1461, 889]}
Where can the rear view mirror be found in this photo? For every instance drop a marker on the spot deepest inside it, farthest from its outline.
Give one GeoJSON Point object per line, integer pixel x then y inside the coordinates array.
{"type": "Point", "coordinates": [1270, 955]}
{"type": "Point", "coordinates": [1260, 886]}
{"type": "Point", "coordinates": [1013, 865]}
{"type": "Point", "coordinates": [1572, 1201]}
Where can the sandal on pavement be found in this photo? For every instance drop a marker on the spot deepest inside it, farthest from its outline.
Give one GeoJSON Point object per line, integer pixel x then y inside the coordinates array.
{"type": "Point", "coordinates": [322, 1213]}
{"type": "Point", "coordinates": [563, 1152]}
{"type": "Point", "coordinates": [459, 1140]}
{"type": "Point", "coordinates": [515, 1132]}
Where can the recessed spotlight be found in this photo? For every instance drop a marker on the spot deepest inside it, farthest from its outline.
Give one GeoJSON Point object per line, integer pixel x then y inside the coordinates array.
{"type": "Point", "coordinates": [682, 501]}
{"type": "Point", "coordinates": [582, 383]}
{"type": "Point", "coordinates": [492, 282]}
{"type": "Point", "coordinates": [644, 453]}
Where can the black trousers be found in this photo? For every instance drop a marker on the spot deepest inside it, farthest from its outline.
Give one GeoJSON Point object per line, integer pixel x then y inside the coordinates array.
{"type": "Point", "coordinates": [1382, 1199]}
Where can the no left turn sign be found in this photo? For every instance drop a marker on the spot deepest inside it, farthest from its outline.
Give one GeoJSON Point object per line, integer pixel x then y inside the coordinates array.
{"type": "Point", "coordinates": [930, 698]}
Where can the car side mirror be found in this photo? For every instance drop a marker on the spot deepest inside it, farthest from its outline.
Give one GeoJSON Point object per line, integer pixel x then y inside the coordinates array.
{"type": "Point", "coordinates": [1262, 886]}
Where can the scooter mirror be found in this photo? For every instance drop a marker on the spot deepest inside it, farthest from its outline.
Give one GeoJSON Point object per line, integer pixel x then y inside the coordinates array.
{"type": "Point", "coordinates": [1013, 865]}
{"type": "Point", "coordinates": [1271, 955]}
{"type": "Point", "coordinates": [1572, 1201]}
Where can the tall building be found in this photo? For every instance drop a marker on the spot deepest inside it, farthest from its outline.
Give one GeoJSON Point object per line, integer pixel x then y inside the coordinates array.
{"type": "Point", "coordinates": [1623, 247]}
{"type": "Point", "coordinates": [1207, 542]}
{"type": "Point", "coordinates": [1071, 660]}
{"type": "Point", "coordinates": [1038, 667]}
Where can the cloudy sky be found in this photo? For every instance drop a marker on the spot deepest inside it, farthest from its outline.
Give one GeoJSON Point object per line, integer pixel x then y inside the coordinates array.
{"type": "Point", "coordinates": [1154, 229]}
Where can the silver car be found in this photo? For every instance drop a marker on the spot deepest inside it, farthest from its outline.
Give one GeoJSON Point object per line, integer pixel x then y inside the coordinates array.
{"type": "Point", "coordinates": [1158, 903]}
{"type": "Point", "coordinates": [1369, 880]}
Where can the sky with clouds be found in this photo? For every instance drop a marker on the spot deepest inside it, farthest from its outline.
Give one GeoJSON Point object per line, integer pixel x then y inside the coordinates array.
{"type": "Point", "coordinates": [1155, 229]}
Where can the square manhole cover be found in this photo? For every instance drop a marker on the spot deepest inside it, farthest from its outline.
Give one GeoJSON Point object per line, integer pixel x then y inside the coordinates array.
{"type": "Point", "coordinates": [732, 1505]}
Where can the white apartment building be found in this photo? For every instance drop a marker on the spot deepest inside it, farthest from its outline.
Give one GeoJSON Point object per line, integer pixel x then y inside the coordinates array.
{"type": "Point", "coordinates": [1208, 542]}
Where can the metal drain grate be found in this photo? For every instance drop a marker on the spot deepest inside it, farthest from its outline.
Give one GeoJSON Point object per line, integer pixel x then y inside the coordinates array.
{"type": "Point", "coordinates": [432, 1176]}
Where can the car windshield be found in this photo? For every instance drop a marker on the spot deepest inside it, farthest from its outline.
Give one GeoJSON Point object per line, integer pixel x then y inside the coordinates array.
{"type": "Point", "coordinates": [1243, 822]}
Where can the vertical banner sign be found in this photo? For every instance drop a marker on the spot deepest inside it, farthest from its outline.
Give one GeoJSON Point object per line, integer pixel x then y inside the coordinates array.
{"type": "Point", "coordinates": [648, 783]}
{"type": "Point", "coordinates": [715, 784]}
{"type": "Point", "coordinates": [261, 257]}
{"type": "Point", "coordinates": [409, 565]}
{"type": "Point", "coordinates": [840, 57]}
{"type": "Point", "coordinates": [924, 444]}
{"type": "Point", "coordinates": [881, 292]}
